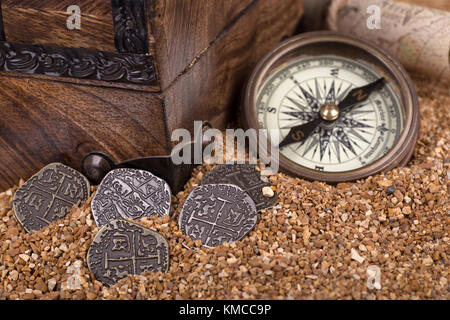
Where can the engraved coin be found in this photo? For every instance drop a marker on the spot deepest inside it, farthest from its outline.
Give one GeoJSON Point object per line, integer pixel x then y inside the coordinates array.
{"type": "Point", "coordinates": [130, 193]}
{"type": "Point", "coordinates": [217, 213]}
{"type": "Point", "coordinates": [247, 178]}
{"type": "Point", "coordinates": [49, 195]}
{"type": "Point", "coordinates": [122, 247]}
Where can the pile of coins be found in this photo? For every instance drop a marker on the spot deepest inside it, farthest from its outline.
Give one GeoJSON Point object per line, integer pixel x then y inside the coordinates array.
{"type": "Point", "coordinates": [223, 209]}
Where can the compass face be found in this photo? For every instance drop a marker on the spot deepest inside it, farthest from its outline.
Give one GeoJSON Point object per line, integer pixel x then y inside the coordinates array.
{"type": "Point", "coordinates": [296, 93]}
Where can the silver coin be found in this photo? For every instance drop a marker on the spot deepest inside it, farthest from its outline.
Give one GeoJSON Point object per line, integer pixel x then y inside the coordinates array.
{"type": "Point", "coordinates": [130, 193]}
{"type": "Point", "coordinates": [122, 247]}
{"type": "Point", "coordinates": [247, 178]}
{"type": "Point", "coordinates": [49, 195]}
{"type": "Point", "coordinates": [217, 213]}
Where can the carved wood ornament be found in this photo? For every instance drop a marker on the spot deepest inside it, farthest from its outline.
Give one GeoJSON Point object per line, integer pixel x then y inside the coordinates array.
{"type": "Point", "coordinates": [132, 64]}
{"type": "Point", "coordinates": [130, 26]}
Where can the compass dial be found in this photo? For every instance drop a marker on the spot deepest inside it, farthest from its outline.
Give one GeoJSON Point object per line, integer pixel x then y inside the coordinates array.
{"type": "Point", "coordinates": [309, 90]}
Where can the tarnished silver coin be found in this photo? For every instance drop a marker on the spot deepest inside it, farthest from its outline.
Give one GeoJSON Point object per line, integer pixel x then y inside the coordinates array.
{"type": "Point", "coordinates": [122, 247]}
{"type": "Point", "coordinates": [247, 178]}
{"type": "Point", "coordinates": [49, 195]}
{"type": "Point", "coordinates": [217, 213]}
{"type": "Point", "coordinates": [130, 193]}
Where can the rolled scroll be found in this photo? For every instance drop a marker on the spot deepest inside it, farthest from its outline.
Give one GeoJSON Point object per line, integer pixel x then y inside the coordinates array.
{"type": "Point", "coordinates": [418, 37]}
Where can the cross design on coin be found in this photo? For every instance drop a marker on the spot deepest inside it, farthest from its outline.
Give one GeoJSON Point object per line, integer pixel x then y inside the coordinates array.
{"type": "Point", "coordinates": [49, 195]}
{"type": "Point", "coordinates": [130, 193]}
{"type": "Point", "coordinates": [217, 213]}
{"type": "Point", "coordinates": [122, 247]}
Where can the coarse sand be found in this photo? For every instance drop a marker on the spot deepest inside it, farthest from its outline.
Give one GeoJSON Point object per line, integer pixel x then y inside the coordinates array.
{"type": "Point", "coordinates": [316, 243]}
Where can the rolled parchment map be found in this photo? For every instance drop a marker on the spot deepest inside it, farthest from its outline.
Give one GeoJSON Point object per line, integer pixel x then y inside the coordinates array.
{"type": "Point", "coordinates": [418, 37]}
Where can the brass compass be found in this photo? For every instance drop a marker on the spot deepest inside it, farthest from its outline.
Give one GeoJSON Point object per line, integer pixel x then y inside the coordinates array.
{"type": "Point", "coordinates": [340, 108]}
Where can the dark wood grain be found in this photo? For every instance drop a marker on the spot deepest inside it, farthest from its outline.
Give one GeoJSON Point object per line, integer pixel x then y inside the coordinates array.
{"type": "Point", "coordinates": [203, 52]}
{"type": "Point", "coordinates": [183, 30]}
{"type": "Point", "coordinates": [42, 122]}
{"type": "Point", "coordinates": [45, 23]}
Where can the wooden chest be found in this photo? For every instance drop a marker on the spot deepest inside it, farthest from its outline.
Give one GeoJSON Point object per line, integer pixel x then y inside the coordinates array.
{"type": "Point", "coordinates": [118, 76]}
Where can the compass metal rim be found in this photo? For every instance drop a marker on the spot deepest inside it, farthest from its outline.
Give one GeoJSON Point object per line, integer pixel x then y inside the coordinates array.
{"type": "Point", "coordinates": [397, 156]}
